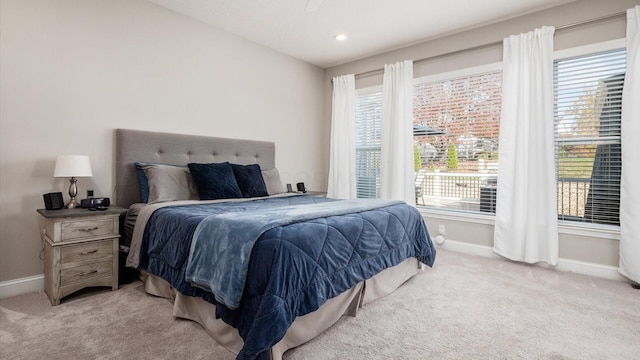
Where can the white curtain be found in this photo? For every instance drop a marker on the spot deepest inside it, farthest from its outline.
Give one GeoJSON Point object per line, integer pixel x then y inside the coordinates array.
{"type": "Point", "coordinates": [526, 222]}
{"type": "Point", "coordinates": [342, 157]}
{"type": "Point", "coordinates": [397, 167]}
{"type": "Point", "coordinates": [629, 131]}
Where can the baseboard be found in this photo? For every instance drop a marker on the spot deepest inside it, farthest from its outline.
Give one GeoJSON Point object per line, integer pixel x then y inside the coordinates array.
{"type": "Point", "coordinates": [578, 267]}
{"type": "Point", "coordinates": [471, 249]}
{"type": "Point", "coordinates": [590, 269]}
{"type": "Point", "coordinates": [21, 286]}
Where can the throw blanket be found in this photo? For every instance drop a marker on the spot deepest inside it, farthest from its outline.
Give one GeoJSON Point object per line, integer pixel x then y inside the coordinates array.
{"type": "Point", "coordinates": [222, 244]}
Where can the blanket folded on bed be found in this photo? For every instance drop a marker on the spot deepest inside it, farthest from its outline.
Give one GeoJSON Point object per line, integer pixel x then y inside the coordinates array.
{"type": "Point", "coordinates": [222, 243]}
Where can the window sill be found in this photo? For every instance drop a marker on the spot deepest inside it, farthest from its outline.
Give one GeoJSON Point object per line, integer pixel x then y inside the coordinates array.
{"type": "Point", "coordinates": [457, 215]}
{"type": "Point", "coordinates": [610, 232]}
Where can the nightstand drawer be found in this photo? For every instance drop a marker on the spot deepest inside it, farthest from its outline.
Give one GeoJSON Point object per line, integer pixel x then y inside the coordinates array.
{"type": "Point", "coordinates": [89, 225]}
{"type": "Point", "coordinates": [86, 274]}
{"type": "Point", "coordinates": [79, 229]}
{"type": "Point", "coordinates": [86, 252]}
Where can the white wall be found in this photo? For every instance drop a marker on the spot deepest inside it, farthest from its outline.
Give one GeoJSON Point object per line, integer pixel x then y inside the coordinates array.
{"type": "Point", "coordinates": [71, 71]}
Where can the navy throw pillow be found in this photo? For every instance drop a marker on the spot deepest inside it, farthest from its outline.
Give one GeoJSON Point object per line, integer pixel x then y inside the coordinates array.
{"type": "Point", "coordinates": [250, 180]}
{"type": "Point", "coordinates": [214, 181]}
{"type": "Point", "coordinates": [143, 182]}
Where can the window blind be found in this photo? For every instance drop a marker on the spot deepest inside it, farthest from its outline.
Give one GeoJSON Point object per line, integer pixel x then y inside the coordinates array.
{"type": "Point", "coordinates": [368, 141]}
{"type": "Point", "coordinates": [588, 105]}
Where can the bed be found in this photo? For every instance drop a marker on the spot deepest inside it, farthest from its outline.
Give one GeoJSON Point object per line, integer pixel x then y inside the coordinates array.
{"type": "Point", "coordinates": [318, 259]}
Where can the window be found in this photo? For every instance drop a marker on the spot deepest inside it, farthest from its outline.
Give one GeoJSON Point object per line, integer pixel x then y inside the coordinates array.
{"type": "Point", "coordinates": [368, 140]}
{"type": "Point", "coordinates": [588, 104]}
{"type": "Point", "coordinates": [456, 124]}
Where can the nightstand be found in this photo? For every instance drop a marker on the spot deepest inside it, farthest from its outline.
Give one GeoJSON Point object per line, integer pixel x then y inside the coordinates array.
{"type": "Point", "coordinates": [317, 193]}
{"type": "Point", "coordinates": [80, 250]}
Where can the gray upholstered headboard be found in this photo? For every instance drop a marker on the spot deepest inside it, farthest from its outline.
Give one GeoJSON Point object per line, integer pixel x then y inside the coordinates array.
{"type": "Point", "coordinates": [178, 149]}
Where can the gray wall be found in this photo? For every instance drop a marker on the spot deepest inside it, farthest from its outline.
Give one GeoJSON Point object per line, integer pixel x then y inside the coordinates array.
{"type": "Point", "coordinates": [601, 250]}
{"type": "Point", "coordinates": [71, 71]}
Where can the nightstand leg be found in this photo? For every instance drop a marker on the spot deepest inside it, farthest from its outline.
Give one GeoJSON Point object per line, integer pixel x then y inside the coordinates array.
{"type": "Point", "coordinates": [52, 273]}
{"type": "Point", "coordinates": [116, 258]}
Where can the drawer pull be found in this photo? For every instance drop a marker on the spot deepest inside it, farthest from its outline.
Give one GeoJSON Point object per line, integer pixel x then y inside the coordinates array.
{"type": "Point", "coordinates": [89, 252]}
{"type": "Point", "coordinates": [89, 229]}
{"type": "Point", "coordinates": [89, 273]}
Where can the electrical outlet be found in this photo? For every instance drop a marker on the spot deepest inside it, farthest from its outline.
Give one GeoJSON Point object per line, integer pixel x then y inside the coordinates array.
{"type": "Point", "coordinates": [441, 229]}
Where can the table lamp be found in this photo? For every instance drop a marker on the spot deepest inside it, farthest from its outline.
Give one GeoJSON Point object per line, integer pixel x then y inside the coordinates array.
{"type": "Point", "coordinates": [72, 166]}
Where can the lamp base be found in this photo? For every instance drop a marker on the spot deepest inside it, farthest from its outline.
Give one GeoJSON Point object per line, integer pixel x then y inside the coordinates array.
{"type": "Point", "coordinates": [73, 191]}
{"type": "Point", "coordinates": [73, 204]}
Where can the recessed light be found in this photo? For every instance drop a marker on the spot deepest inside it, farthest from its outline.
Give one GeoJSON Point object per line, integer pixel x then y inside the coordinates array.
{"type": "Point", "coordinates": [340, 37]}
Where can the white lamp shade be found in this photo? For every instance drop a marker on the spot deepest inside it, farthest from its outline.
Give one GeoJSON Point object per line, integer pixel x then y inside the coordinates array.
{"type": "Point", "coordinates": [72, 166]}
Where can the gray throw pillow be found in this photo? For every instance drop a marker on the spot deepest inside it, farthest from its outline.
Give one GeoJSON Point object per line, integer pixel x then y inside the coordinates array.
{"type": "Point", "coordinates": [169, 183]}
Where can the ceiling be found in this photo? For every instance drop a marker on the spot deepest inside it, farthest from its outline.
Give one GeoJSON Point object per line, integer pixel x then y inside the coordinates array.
{"type": "Point", "coordinates": [305, 29]}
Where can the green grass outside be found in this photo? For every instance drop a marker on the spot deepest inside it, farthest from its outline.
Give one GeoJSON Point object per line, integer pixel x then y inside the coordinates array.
{"type": "Point", "coordinates": [575, 167]}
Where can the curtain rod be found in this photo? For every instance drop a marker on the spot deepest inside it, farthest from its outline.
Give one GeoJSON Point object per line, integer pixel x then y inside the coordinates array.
{"type": "Point", "coordinates": [493, 43]}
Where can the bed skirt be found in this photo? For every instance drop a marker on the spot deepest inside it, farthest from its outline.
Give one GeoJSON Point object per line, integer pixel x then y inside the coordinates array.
{"type": "Point", "coordinates": [304, 328]}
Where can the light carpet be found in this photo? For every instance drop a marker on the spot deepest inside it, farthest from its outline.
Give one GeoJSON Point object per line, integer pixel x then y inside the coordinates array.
{"type": "Point", "coordinates": [466, 307]}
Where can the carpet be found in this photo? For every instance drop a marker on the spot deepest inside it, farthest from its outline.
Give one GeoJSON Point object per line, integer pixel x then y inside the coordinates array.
{"type": "Point", "coordinates": [466, 307]}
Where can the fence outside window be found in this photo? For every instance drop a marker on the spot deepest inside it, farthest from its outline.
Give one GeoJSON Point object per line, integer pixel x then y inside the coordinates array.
{"type": "Point", "coordinates": [477, 192]}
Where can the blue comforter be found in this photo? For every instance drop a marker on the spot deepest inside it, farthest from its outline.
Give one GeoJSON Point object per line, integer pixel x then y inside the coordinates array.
{"type": "Point", "coordinates": [222, 244]}
{"type": "Point", "coordinates": [293, 268]}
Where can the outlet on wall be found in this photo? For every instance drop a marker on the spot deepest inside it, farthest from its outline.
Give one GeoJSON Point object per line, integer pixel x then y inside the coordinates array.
{"type": "Point", "coordinates": [441, 229]}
